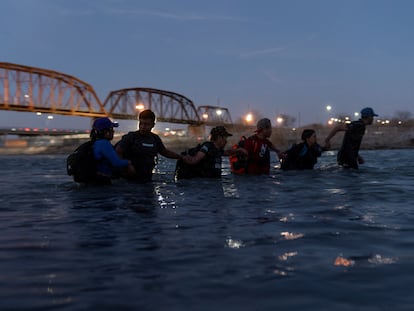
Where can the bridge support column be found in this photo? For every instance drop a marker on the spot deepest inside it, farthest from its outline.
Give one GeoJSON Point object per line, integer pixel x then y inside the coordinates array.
{"type": "Point", "coordinates": [197, 131]}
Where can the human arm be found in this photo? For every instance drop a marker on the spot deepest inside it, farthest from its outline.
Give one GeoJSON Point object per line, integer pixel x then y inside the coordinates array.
{"type": "Point", "coordinates": [108, 152]}
{"type": "Point", "coordinates": [339, 128]}
{"type": "Point", "coordinates": [121, 148]}
{"type": "Point", "coordinates": [192, 160]}
{"type": "Point", "coordinates": [120, 151]}
{"type": "Point", "coordinates": [232, 151]}
{"type": "Point", "coordinates": [280, 154]}
{"type": "Point", "coordinates": [170, 154]}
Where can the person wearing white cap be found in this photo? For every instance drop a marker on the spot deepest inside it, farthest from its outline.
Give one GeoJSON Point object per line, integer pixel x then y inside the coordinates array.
{"type": "Point", "coordinates": [348, 155]}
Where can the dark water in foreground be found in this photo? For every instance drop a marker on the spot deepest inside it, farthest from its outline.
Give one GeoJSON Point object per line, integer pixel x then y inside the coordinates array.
{"type": "Point", "coordinates": [330, 239]}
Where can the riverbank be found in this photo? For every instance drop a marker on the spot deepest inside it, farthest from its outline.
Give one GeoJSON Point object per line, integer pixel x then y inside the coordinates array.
{"type": "Point", "coordinates": [376, 137]}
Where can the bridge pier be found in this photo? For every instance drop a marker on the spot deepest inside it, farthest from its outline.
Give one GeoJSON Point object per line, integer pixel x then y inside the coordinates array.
{"type": "Point", "coordinates": [197, 131]}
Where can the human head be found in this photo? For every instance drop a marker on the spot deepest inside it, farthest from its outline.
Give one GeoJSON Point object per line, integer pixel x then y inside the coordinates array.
{"type": "Point", "coordinates": [147, 114]}
{"type": "Point", "coordinates": [309, 136]}
{"type": "Point", "coordinates": [367, 115]}
{"type": "Point", "coordinates": [101, 127]}
{"type": "Point", "coordinates": [264, 128]}
{"type": "Point", "coordinates": [219, 136]}
{"type": "Point", "coordinates": [146, 121]}
{"type": "Point", "coordinates": [263, 124]}
{"type": "Point", "coordinates": [219, 131]}
{"type": "Point", "coordinates": [368, 112]}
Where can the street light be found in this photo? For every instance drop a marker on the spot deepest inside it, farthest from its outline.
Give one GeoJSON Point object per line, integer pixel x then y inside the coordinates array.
{"type": "Point", "coordinates": [328, 108]}
{"type": "Point", "coordinates": [279, 120]}
{"type": "Point", "coordinates": [249, 118]}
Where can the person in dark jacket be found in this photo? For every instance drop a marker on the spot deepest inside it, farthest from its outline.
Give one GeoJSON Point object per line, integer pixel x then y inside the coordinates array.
{"type": "Point", "coordinates": [348, 155]}
{"type": "Point", "coordinates": [142, 147]}
{"type": "Point", "coordinates": [303, 156]}
{"type": "Point", "coordinates": [206, 160]}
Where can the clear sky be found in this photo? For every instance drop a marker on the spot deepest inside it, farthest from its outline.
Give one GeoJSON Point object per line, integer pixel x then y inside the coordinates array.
{"type": "Point", "coordinates": [293, 57]}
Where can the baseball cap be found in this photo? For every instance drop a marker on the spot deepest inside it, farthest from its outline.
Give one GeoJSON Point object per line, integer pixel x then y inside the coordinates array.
{"type": "Point", "coordinates": [368, 112]}
{"type": "Point", "coordinates": [220, 131]}
{"type": "Point", "coordinates": [104, 123]}
{"type": "Point", "coordinates": [263, 124]}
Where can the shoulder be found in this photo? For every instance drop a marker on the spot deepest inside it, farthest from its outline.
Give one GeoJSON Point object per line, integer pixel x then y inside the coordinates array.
{"type": "Point", "coordinates": [251, 140]}
{"type": "Point", "coordinates": [101, 143]}
{"type": "Point", "coordinates": [253, 137]}
{"type": "Point", "coordinates": [356, 125]}
{"type": "Point", "coordinates": [206, 146]}
{"type": "Point", "coordinates": [129, 136]}
{"type": "Point", "coordinates": [155, 136]}
{"type": "Point", "coordinates": [295, 148]}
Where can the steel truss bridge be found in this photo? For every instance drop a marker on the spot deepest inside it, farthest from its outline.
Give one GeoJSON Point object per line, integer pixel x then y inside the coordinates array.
{"type": "Point", "coordinates": [30, 89]}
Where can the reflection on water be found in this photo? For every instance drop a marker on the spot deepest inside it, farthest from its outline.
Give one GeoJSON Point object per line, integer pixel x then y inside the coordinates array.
{"type": "Point", "coordinates": [291, 240]}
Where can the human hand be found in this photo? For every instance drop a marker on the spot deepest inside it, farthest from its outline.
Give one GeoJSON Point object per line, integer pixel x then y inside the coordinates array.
{"type": "Point", "coordinates": [282, 155]}
{"type": "Point", "coordinates": [131, 170]}
{"type": "Point", "coordinates": [242, 151]}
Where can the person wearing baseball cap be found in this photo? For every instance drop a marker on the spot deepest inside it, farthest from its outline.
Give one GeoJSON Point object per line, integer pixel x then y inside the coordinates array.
{"type": "Point", "coordinates": [101, 124]}
{"type": "Point", "coordinates": [104, 153]}
{"type": "Point", "coordinates": [258, 147]}
{"type": "Point", "coordinates": [205, 159]}
{"type": "Point", "coordinates": [348, 155]}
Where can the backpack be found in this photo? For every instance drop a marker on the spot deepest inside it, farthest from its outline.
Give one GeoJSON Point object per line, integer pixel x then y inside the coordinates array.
{"type": "Point", "coordinates": [184, 170]}
{"type": "Point", "coordinates": [238, 161]}
{"type": "Point", "coordinates": [289, 162]}
{"type": "Point", "coordinates": [81, 163]}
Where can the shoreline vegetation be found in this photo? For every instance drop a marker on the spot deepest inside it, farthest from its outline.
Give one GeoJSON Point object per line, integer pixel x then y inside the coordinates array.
{"type": "Point", "coordinates": [376, 137]}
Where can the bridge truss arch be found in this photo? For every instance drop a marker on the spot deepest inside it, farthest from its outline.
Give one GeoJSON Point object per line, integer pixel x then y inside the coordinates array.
{"type": "Point", "coordinates": [168, 106]}
{"type": "Point", "coordinates": [31, 89]}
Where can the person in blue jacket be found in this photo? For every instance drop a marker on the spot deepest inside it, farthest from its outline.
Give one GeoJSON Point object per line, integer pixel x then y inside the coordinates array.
{"type": "Point", "coordinates": [106, 158]}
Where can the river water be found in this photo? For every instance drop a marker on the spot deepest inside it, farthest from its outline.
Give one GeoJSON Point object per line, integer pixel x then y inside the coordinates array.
{"type": "Point", "coordinates": [328, 239]}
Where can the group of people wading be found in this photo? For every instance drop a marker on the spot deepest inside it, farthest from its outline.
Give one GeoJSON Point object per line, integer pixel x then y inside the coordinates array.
{"type": "Point", "coordinates": [134, 156]}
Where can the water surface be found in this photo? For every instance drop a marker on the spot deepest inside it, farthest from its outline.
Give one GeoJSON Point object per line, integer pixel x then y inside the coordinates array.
{"type": "Point", "coordinates": [328, 239]}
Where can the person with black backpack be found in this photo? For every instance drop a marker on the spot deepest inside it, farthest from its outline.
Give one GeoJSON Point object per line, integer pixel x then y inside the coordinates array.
{"type": "Point", "coordinates": [94, 161]}
{"type": "Point", "coordinates": [106, 158]}
{"type": "Point", "coordinates": [303, 156]}
{"type": "Point", "coordinates": [205, 159]}
{"type": "Point", "coordinates": [142, 147]}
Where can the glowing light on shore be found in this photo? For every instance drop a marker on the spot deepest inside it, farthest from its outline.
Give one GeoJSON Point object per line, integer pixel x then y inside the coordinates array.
{"type": "Point", "coordinates": [279, 120]}
{"type": "Point", "coordinates": [249, 118]}
{"type": "Point", "coordinates": [139, 106]}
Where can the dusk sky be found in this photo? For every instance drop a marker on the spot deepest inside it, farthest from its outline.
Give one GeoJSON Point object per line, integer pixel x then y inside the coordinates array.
{"type": "Point", "coordinates": [290, 57]}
